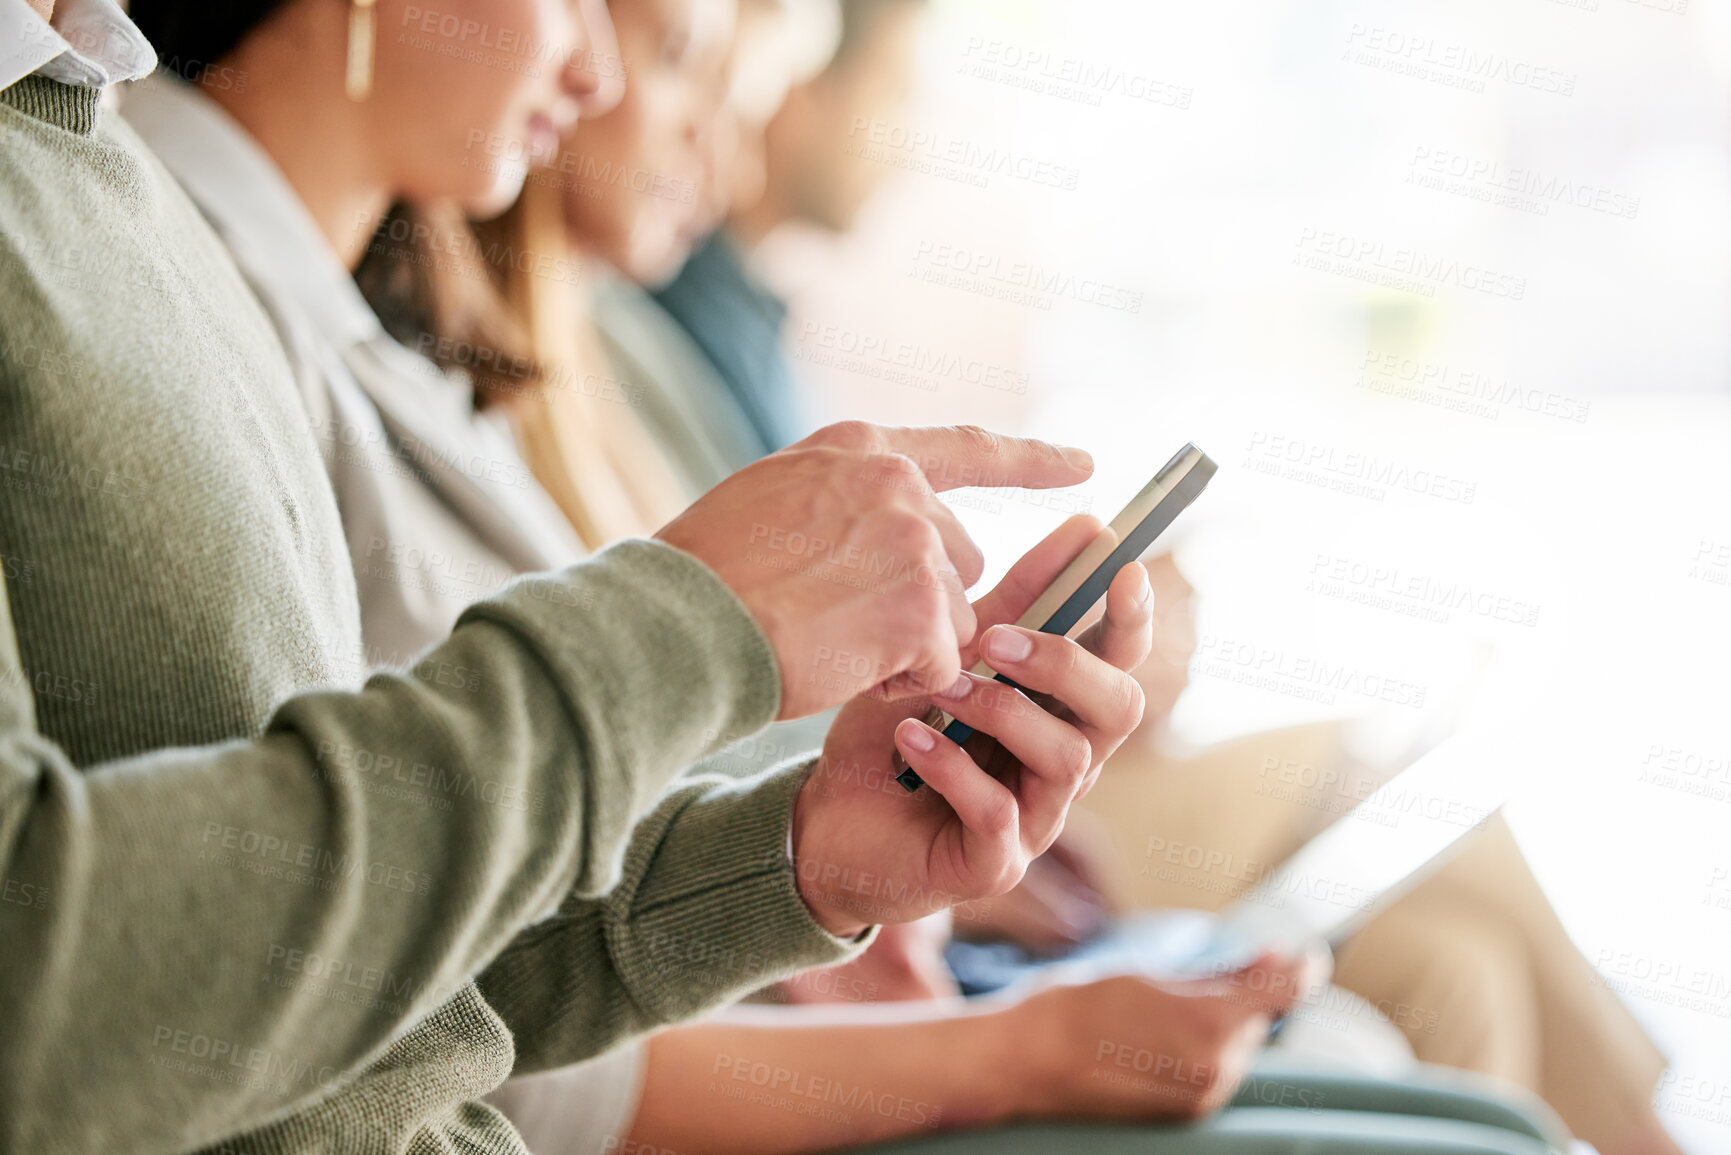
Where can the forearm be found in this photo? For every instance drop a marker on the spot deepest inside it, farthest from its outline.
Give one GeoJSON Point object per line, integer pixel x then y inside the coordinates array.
{"type": "Point", "coordinates": [775, 1080]}
{"type": "Point", "coordinates": [406, 832]}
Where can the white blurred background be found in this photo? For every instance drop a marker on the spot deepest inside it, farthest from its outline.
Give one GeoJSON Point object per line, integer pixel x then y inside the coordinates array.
{"type": "Point", "coordinates": [1445, 290]}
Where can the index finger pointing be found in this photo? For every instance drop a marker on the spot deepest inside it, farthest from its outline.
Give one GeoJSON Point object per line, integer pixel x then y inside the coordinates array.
{"type": "Point", "coordinates": [956, 456]}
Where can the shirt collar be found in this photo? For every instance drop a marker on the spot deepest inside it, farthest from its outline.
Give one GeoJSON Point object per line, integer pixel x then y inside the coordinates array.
{"type": "Point", "coordinates": [91, 44]}
{"type": "Point", "coordinates": [249, 201]}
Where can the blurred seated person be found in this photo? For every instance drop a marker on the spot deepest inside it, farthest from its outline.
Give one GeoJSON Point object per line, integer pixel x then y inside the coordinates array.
{"type": "Point", "coordinates": [634, 240]}
{"type": "Point", "coordinates": [1473, 965]}
{"type": "Point", "coordinates": [778, 163]}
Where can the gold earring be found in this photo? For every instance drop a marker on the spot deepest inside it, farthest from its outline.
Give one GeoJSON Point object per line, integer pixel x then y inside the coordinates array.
{"type": "Point", "coordinates": [359, 78]}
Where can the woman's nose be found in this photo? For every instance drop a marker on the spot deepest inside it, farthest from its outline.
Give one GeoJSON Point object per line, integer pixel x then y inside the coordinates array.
{"type": "Point", "coordinates": [594, 75]}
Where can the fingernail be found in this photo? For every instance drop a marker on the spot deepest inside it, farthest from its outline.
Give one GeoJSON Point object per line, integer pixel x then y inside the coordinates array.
{"type": "Point", "coordinates": [1006, 645]}
{"type": "Point", "coordinates": [1145, 592]}
{"type": "Point", "coordinates": [959, 690]}
{"type": "Point", "coordinates": [915, 735]}
{"type": "Point", "coordinates": [1079, 458]}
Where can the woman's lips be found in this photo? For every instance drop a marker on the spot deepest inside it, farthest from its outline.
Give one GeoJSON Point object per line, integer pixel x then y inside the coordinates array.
{"type": "Point", "coordinates": [543, 137]}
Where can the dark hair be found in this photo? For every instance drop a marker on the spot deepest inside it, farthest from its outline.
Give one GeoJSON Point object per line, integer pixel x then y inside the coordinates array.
{"type": "Point", "coordinates": [189, 37]}
{"type": "Point", "coordinates": [430, 275]}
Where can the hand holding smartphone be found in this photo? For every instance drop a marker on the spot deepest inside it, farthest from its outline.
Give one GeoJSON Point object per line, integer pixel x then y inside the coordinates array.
{"type": "Point", "coordinates": [1084, 581]}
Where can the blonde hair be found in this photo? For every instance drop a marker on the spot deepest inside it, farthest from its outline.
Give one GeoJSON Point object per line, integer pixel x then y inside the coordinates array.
{"type": "Point", "coordinates": [591, 452]}
{"type": "Point", "coordinates": [476, 298]}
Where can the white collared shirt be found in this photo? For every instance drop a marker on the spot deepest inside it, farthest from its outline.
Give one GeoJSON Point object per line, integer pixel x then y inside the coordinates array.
{"type": "Point", "coordinates": [91, 44]}
{"type": "Point", "coordinates": [420, 476]}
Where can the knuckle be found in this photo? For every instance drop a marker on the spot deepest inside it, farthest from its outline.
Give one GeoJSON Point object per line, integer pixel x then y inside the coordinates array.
{"type": "Point", "coordinates": [833, 473]}
{"type": "Point", "coordinates": [1008, 878]}
{"type": "Point", "coordinates": [981, 442]}
{"type": "Point", "coordinates": [1077, 757]}
{"type": "Point", "coordinates": [848, 435]}
{"type": "Point", "coordinates": [902, 531]}
{"type": "Point", "coordinates": [918, 538]}
{"type": "Point", "coordinates": [999, 821]}
{"type": "Point", "coordinates": [1072, 656]}
{"type": "Point", "coordinates": [1132, 703]}
{"type": "Point", "coordinates": [896, 467]}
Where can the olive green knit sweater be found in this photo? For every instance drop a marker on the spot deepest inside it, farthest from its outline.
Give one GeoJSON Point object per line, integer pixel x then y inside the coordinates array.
{"type": "Point", "coordinates": [243, 900]}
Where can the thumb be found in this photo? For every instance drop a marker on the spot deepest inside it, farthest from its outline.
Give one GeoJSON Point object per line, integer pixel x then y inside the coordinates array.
{"type": "Point", "coordinates": [1274, 983]}
{"type": "Point", "coordinates": [1022, 586]}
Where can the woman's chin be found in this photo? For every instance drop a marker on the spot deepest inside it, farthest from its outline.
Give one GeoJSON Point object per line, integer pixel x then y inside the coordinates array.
{"type": "Point", "coordinates": [486, 203]}
{"type": "Point", "coordinates": [654, 269]}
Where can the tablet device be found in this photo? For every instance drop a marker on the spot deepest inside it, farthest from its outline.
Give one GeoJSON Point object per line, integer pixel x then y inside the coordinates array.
{"type": "Point", "coordinates": [1389, 843]}
{"type": "Point", "coordinates": [1083, 582]}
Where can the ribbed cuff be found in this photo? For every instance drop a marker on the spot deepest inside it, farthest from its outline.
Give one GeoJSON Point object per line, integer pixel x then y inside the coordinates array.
{"type": "Point", "coordinates": [717, 913]}
{"type": "Point", "coordinates": [63, 105]}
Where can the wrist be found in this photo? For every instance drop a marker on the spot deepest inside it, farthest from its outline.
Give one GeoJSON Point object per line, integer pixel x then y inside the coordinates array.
{"type": "Point", "coordinates": [828, 908]}
{"type": "Point", "coordinates": [1038, 1084]}
{"type": "Point", "coordinates": [987, 1035]}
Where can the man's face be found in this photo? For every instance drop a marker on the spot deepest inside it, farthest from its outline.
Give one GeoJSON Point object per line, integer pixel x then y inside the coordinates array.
{"type": "Point", "coordinates": [826, 181]}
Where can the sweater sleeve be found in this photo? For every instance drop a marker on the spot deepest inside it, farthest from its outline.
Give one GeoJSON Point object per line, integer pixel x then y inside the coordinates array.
{"type": "Point", "coordinates": [707, 911]}
{"type": "Point", "coordinates": [166, 919]}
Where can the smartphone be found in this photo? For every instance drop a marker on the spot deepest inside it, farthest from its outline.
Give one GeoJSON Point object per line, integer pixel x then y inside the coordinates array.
{"type": "Point", "coordinates": [1084, 581]}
